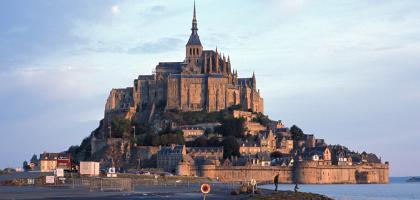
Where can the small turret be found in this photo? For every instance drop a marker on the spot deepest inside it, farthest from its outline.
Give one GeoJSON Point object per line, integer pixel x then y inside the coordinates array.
{"type": "Point", "coordinates": [254, 81]}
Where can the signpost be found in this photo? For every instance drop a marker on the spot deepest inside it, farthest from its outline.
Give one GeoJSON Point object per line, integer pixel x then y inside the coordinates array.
{"type": "Point", "coordinates": [205, 189]}
{"type": "Point", "coordinates": [253, 183]}
{"type": "Point", "coordinates": [59, 172]}
{"type": "Point", "coordinates": [111, 173]}
{"type": "Point", "coordinates": [50, 179]}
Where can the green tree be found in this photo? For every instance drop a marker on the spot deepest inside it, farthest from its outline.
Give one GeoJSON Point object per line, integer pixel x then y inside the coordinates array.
{"type": "Point", "coordinates": [232, 127]}
{"type": "Point", "coordinates": [230, 147]}
{"type": "Point", "coordinates": [275, 154]}
{"type": "Point", "coordinates": [120, 127]}
{"type": "Point", "coordinates": [297, 133]}
{"type": "Point", "coordinates": [262, 119]}
{"type": "Point", "coordinates": [25, 166]}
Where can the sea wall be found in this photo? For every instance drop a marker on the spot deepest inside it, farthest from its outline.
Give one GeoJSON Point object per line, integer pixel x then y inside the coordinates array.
{"type": "Point", "coordinates": [310, 173]}
{"type": "Point", "coordinates": [304, 173]}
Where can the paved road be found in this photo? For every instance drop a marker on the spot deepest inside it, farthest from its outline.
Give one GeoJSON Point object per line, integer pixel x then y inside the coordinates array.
{"type": "Point", "coordinates": [149, 192]}
{"type": "Point", "coordinates": [24, 175]}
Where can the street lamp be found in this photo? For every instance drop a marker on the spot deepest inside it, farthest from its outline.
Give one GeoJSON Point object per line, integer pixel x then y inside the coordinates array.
{"type": "Point", "coordinates": [110, 135]}
{"type": "Point", "coordinates": [134, 133]}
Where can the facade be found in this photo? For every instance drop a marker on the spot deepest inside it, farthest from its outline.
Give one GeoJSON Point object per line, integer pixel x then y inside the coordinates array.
{"type": "Point", "coordinates": [248, 116]}
{"type": "Point", "coordinates": [51, 161]}
{"type": "Point", "coordinates": [253, 128]}
{"type": "Point", "coordinates": [266, 142]}
{"type": "Point", "coordinates": [203, 81]}
{"type": "Point", "coordinates": [169, 157]}
{"type": "Point", "coordinates": [64, 162]}
{"type": "Point", "coordinates": [191, 133]}
{"type": "Point", "coordinates": [285, 145]}
{"type": "Point", "coordinates": [172, 157]}
{"type": "Point", "coordinates": [48, 161]}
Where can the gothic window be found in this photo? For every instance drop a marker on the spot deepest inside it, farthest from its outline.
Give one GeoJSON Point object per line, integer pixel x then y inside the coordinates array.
{"type": "Point", "coordinates": [190, 51]}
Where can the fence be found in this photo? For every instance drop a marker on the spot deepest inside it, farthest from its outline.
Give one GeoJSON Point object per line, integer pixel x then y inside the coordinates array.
{"type": "Point", "coordinates": [102, 184]}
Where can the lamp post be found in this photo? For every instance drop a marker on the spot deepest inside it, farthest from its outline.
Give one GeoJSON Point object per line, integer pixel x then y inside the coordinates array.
{"type": "Point", "coordinates": [110, 135]}
{"type": "Point", "coordinates": [134, 133]}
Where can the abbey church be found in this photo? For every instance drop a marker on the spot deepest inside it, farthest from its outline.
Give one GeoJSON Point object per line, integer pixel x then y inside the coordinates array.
{"type": "Point", "coordinates": [203, 81]}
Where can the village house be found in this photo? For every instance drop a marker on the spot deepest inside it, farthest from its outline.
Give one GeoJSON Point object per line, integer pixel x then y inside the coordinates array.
{"type": "Point", "coordinates": [168, 158]}
{"type": "Point", "coordinates": [322, 155]}
{"type": "Point", "coordinates": [285, 145]}
{"type": "Point", "coordinates": [48, 161]}
{"type": "Point", "coordinates": [266, 142]}
{"type": "Point", "coordinates": [191, 133]}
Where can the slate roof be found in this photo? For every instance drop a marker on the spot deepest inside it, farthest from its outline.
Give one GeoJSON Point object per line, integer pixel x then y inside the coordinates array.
{"type": "Point", "coordinates": [194, 39]}
{"type": "Point", "coordinates": [169, 150]}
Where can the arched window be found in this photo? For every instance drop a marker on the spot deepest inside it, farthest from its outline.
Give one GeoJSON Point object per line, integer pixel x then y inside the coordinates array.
{"type": "Point", "coordinates": [190, 51]}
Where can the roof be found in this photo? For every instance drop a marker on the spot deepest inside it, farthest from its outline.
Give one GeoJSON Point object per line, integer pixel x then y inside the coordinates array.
{"type": "Point", "coordinates": [197, 75]}
{"type": "Point", "coordinates": [315, 151]}
{"type": "Point", "coordinates": [205, 149]}
{"type": "Point", "coordinates": [177, 149]}
{"type": "Point", "coordinates": [194, 39]}
{"type": "Point", "coordinates": [170, 64]}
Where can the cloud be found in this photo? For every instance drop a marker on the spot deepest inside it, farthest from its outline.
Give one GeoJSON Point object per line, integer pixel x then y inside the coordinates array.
{"type": "Point", "coordinates": [115, 9]}
{"type": "Point", "coordinates": [161, 45]}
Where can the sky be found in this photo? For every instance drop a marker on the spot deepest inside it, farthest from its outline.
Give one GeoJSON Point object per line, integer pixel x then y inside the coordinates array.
{"type": "Point", "coordinates": [346, 71]}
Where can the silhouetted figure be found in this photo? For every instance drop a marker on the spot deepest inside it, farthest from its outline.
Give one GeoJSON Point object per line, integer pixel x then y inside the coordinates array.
{"type": "Point", "coordinates": [296, 188]}
{"type": "Point", "coordinates": [276, 181]}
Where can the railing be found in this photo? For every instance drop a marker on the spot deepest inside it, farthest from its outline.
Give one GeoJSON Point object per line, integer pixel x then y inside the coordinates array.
{"type": "Point", "coordinates": [102, 184]}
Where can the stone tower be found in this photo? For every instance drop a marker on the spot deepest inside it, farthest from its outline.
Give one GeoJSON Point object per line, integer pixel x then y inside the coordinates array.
{"type": "Point", "coordinates": [193, 48]}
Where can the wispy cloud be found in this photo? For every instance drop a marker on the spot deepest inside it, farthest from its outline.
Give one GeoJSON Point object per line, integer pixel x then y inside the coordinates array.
{"type": "Point", "coordinates": [115, 9]}
{"type": "Point", "coordinates": [160, 46]}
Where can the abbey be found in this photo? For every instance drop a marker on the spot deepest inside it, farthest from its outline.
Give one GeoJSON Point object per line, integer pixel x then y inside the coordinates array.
{"type": "Point", "coordinates": [203, 81]}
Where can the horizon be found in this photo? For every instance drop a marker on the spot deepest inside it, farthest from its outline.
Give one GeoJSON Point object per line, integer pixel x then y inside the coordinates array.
{"type": "Point", "coordinates": [358, 62]}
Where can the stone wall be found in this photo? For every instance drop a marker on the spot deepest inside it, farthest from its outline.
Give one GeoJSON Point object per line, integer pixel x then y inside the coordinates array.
{"type": "Point", "coordinates": [305, 173]}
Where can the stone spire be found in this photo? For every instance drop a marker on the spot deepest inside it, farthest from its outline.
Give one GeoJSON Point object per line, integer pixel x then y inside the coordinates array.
{"type": "Point", "coordinates": [229, 66]}
{"type": "Point", "coordinates": [193, 48]}
{"type": "Point", "coordinates": [194, 28]}
{"type": "Point", "coordinates": [217, 60]}
{"type": "Point", "coordinates": [254, 81]}
{"type": "Point", "coordinates": [194, 38]}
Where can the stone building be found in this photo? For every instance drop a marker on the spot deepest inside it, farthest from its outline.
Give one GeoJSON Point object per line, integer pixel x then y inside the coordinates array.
{"type": "Point", "coordinates": [191, 133]}
{"type": "Point", "coordinates": [48, 161]}
{"type": "Point", "coordinates": [203, 81]}
{"type": "Point", "coordinates": [285, 145]}
{"type": "Point", "coordinates": [170, 158]}
{"type": "Point", "coordinates": [266, 142]}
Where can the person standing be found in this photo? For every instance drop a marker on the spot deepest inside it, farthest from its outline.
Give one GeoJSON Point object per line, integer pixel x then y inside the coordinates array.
{"type": "Point", "coordinates": [296, 188]}
{"type": "Point", "coordinates": [276, 181]}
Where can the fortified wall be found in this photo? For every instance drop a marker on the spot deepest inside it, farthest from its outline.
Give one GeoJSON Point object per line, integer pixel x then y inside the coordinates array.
{"type": "Point", "coordinates": [306, 173]}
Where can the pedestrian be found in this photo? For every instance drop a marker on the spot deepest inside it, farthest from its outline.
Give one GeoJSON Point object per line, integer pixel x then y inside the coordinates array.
{"type": "Point", "coordinates": [276, 181]}
{"type": "Point", "coordinates": [296, 187]}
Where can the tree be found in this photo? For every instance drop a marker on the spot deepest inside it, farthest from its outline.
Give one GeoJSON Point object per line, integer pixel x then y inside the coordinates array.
{"type": "Point", "coordinates": [297, 133]}
{"type": "Point", "coordinates": [120, 127]}
{"type": "Point", "coordinates": [201, 142]}
{"type": "Point", "coordinates": [230, 147]}
{"type": "Point", "coordinates": [25, 166]}
{"type": "Point", "coordinates": [275, 154]}
{"type": "Point", "coordinates": [34, 159]}
{"type": "Point", "coordinates": [232, 127]}
{"type": "Point", "coordinates": [262, 119]}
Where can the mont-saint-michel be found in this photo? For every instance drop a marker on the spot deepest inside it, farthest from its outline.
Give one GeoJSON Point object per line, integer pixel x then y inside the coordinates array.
{"type": "Point", "coordinates": [196, 117]}
{"type": "Point", "coordinates": [203, 118]}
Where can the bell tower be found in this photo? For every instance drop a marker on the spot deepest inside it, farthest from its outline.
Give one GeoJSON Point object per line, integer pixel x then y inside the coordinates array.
{"type": "Point", "coordinates": [193, 48]}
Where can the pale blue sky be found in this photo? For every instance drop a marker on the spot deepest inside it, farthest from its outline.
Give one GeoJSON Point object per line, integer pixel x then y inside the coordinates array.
{"type": "Point", "coordinates": [346, 71]}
